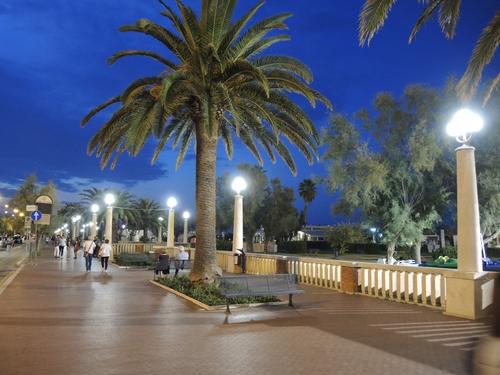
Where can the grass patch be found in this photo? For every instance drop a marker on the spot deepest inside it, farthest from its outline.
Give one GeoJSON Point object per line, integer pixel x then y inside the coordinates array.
{"type": "Point", "coordinates": [209, 294]}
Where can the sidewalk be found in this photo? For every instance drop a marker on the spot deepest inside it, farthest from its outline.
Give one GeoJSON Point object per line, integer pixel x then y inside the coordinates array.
{"type": "Point", "coordinates": [57, 319]}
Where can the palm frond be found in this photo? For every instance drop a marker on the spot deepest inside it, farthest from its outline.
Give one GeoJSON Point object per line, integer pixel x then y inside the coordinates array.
{"type": "Point", "coordinates": [99, 108]}
{"type": "Point", "coordinates": [153, 55]}
{"type": "Point", "coordinates": [429, 10]}
{"type": "Point", "coordinates": [372, 18]}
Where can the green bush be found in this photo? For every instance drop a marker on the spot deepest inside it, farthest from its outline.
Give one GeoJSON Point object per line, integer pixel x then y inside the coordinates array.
{"type": "Point", "coordinates": [224, 245]}
{"type": "Point", "coordinates": [448, 251]}
{"type": "Point", "coordinates": [367, 248]}
{"type": "Point", "coordinates": [292, 247]}
{"type": "Point", "coordinates": [209, 294]}
{"type": "Point", "coordinates": [135, 260]}
{"type": "Point", "coordinates": [493, 252]}
{"type": "Point", "coordinates": [318, 245]}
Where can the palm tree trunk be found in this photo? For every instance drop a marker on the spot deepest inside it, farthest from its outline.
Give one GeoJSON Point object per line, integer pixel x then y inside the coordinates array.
{"type": "Point", "coordinates": [205, 266]}
{"type": "Point", "coordinates": [305, 213]}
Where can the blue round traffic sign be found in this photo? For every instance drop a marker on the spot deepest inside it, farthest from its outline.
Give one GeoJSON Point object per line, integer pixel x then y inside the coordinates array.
{"type": "Point", "coordinates": [36, 216]}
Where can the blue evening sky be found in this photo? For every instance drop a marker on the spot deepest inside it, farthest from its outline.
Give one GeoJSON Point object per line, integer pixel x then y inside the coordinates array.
{"type": "Point", "coordinates": [53, 70]}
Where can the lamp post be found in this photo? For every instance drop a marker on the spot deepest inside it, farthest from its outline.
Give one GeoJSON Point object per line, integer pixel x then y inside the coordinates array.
{"type": "Point", "coordinates": [78, 221]}
{"type": "Point", "coordinates": [160, 223]}
{"type": "Point", "coordinates": [73, 228]}
{"type": "Point", "coordinates": [185, 215]}
{"type": "Point", "coordinates": [109, 200]}
{"type": "Point", "coordinates": [463, 124]}
{"type": "Point", "coordinates": [238, 185]}
{"type": "Point", "coordinates": [373, 230]}
{"type": "Point", "coordinates": [93, 228]}
{"type": "Point", "coordinates": [171, 203]}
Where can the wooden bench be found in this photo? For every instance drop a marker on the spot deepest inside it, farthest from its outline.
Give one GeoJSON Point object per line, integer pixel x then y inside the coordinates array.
{"type": "Point", "coordinates": [258, 285]}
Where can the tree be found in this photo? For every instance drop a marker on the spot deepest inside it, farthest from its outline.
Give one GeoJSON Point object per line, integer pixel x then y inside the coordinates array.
{"type": "Point", "coordinates": [255, 198]}
{"type": "Point", "coordinates": [342, 235]}
{"type": "Point", "coordinates": [279, 216]}
{"type": "Point", "coordinates": [146, 212]}
{"type": "Point", "coordinates": [215, 87]}
{"type": "Point", "coordinates": [307, 191]}
{"type": "Point", "coordinates": [393, 182]}
{"type": "Point", "coordinates": [375, 12]}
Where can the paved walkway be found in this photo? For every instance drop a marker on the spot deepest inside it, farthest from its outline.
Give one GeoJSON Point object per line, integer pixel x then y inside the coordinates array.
{"type": "Point", "coordinates": [57, 319]}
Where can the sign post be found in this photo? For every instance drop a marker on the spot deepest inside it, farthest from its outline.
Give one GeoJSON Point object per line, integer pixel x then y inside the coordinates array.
{"type": "Point", "coordinates": [36, 216]}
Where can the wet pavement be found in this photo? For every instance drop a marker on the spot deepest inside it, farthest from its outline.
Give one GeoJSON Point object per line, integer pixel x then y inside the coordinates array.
{"type": "Point", "coordinates": [57, 319]}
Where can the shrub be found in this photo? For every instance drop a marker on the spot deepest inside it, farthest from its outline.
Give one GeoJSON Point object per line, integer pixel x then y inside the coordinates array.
{"type": "Point", "coordinates": [135, 260]}
{"type": "Point", "coordinates": [448, 251]}
{"type": "Point", "coordinates": [493, 252]}
{"type": "Point", "coordinates": [343, 235]}
{"type": "Point", "coordinates": [209, 294]}
{"type": "Point", "coordinates": [293, 247]}
{"type": "Point", "coordinates": [318, 245]}
{"type": "Point", "coordinates": [225, 245]}
{"type": "Point", "coordinates": [367, 248]}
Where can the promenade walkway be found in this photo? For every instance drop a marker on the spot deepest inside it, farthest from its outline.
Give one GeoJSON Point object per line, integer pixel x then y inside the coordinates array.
{"type": "Point", "coordinates": [57, 319]}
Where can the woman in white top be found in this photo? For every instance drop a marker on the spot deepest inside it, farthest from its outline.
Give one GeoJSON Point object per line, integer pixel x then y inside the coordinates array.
{"type": "Point", "coordinates": [105, 253]}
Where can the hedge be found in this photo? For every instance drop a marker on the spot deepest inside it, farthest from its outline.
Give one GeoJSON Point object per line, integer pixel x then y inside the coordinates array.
{"type": "Point", "coordinates": [293, 247]}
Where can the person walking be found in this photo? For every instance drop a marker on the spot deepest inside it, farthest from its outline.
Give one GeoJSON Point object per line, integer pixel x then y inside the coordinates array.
{"type": "Point", "coordinates": [88, 253]}
{"type": "Point", "coordinates": [105, 253]}
{"type": "Point", "coordinates": [62, 245]}
{"type": "Point", "coordinates": [180, 260]}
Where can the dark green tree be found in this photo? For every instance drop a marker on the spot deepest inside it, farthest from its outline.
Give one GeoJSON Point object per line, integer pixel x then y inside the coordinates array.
{"type": "Point", "coordinates": [145, 215]}
{"type": "Point", "coordinates": [215, 84]}
{"type": "Point", "coordinates": [307, 191]}
{"type": "Point", "coordinates": [397, 182]}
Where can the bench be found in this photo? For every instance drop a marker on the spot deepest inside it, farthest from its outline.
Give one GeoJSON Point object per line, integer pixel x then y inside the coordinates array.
{"type": "Point", "coordinates": [258, 285]}
{"type": "Point", "coordinates": [165, 263]}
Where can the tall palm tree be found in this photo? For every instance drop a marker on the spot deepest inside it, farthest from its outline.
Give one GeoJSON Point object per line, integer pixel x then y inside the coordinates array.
{"type": "Point", "coordinates": [146, 213]}
{"type": "Point", "coordinates": [307, 190]}
{"type": "Point", "coordinates": [213, 87]}
{"type": "Point", "coordinates": [69, 210]}
{"type": "Point", "coordinates": [375, 12]}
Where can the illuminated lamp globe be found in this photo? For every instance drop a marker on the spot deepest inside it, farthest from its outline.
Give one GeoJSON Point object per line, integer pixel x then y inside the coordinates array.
{"type": "Point", "coordinates": [160, 219]}
{"type": "Point", "coordinates": [94, 208]}
{"type": "Point", "coordinates": [171, 202]}
{"type": "Point", "coordinates": [239, 184]}
{"type": "Point", "coordinates": [186, 215]}
{"type": "Point", "coordinates": [109, 199]}
{"type": "Point", "coordinates": [464, 123]}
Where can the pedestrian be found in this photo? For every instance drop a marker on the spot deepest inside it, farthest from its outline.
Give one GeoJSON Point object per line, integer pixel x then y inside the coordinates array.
{"type": "Point", "coordinates": [76, 247]}
{"type": "Point", "coordinates": [62, 245]}
{"type": "Point", "coordinates": [88, 253]}
{"type": "Point", "coordinates": [105, 253]}
{"type": "Point", "coordinates": [98, 244]}
{"type": "Point", "coordinates": [181, 259]}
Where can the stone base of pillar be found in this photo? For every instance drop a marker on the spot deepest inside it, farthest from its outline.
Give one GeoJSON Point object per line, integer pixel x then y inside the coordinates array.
{"type": "Point", "coordinates": [349, 279]}
{"type": "Point", "coordinates": [469, 295]}
{"type": "Point", "coordinates": [233, 268]}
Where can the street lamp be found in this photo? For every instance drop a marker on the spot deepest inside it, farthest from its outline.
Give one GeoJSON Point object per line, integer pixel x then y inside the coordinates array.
{"type": "Point", "coordinates": [160, 223]}
{"type": "Point", "coordinates": [171, 203]}
{"type": "Point", "coordinates": [93, 229]}
{"type": "Point", "coordinates": [185, 215]}
{"type": "Point", "coordinates": [373, 230]}
{"type": "Point", "coordinates": [462, 125]}
{"type": "Point", "coordinates": [238, 185]}
{"type": "Point", "coordinates": [109, 200]}
{"type": "Point", "coordinates": [73, 227]}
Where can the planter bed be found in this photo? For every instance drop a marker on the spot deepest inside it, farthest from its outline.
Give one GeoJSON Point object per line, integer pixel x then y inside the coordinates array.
{"type": "Point", "coordinates": [208, 298]}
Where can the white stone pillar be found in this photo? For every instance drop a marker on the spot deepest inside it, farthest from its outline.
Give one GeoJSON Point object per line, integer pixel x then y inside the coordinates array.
{"type": "Point", "coordinates": [468, 227]}
{"type": "Point", "coordinates": [170, 229]}
{"type": "Point", "coordinates": [238, 223]}
{"type": "Point", "coordinates": [108, 232]}
{"type": "Point", "coordinates": [185, 236]}
{"type": "Point", "coordinates": [442, 239]}
{"type": "Point", "coordinates": [93, 227]}
{"type": "Point", "coordinates": [73, 234]}
{"type": "Point", "coordinates": [159, 231]}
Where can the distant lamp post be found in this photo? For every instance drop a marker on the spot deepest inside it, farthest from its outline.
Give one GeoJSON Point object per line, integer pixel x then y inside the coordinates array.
{"type": "Point", "coordinates": [73, 228]}
{"type": "Point", "coordinates": [462, 125]}
{"type": "Point", "coordinates": [238, 185]}
{"type": "Point", "coordinates": [109, 200]}
{"type": "Point", "coordinates": [373, 230]}
{"type": "Point", "coordinates": [171, 204]}
{"type": "Point", "coordinates": [185, 215]}
{"type": "Point", "coordinates": [93, 229]}
{"type": "Point", "coordinates": [160, 223]}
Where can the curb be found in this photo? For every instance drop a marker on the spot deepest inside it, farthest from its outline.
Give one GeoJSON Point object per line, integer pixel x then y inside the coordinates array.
{"type": "Point", "coordinates": [218, 307]}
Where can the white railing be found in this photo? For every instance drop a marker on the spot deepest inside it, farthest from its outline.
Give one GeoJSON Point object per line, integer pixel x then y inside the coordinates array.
{"type": "Point", "coordinates": [415, 285]}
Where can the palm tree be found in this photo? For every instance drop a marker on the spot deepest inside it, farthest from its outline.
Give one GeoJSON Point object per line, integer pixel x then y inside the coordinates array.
{"type": "Point", "coordinates": [375, 12]}
{"type": "Point", "coordinates": [307, 190]}
{"type": "Point", "coordinates": [69, 210]}
{"type": "Point", "coordinates": [214, 87]}
{"type": "Point", "coordinates": [146, 215]}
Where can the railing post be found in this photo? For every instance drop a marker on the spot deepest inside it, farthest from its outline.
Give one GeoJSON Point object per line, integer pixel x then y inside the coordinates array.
{"type": "Point", "coordinates": [349, 278]}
